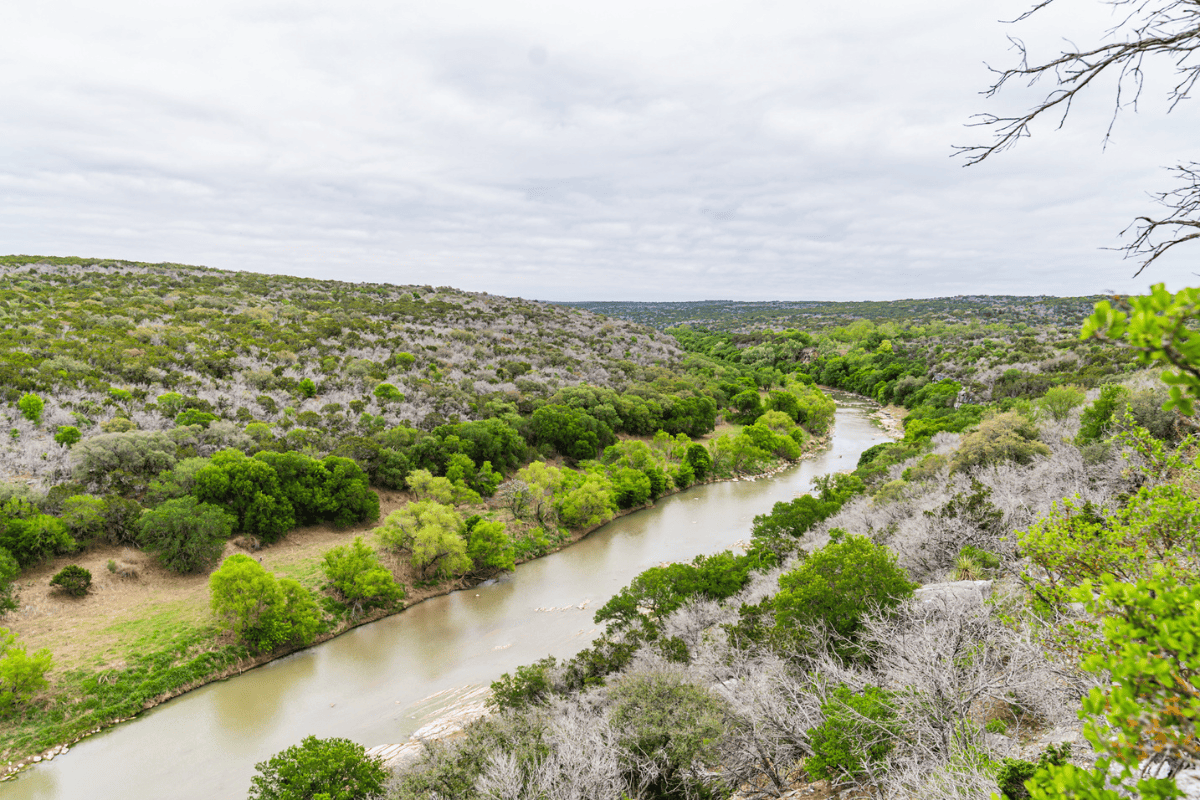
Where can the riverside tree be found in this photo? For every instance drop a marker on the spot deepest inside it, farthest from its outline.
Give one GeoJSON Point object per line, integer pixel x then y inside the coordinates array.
{"type": "Point", "coordinates": [260, 610]}
{"type": "Point", "coordinates": [329, 769]}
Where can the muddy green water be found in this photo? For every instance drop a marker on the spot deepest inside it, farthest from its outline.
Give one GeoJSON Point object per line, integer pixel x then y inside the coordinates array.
{"type": "Point", "coordinates": [373, 685]}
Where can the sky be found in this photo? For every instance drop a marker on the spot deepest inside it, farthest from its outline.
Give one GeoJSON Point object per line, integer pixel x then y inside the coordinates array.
{"type": "Point", "coordinates": [624, 150]}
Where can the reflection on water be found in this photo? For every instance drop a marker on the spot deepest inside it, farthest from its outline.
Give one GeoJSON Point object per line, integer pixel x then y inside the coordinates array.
{"type": "Point", "coordinates": [364, 684]}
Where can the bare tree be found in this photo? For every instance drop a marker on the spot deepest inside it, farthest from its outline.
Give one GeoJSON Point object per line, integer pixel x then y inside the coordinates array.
{"type": "Point", "coordinates": [1149, 30]}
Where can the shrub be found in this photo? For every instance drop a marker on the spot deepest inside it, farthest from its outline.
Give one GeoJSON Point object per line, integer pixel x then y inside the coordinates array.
{"type": "Point", "coordinates": [185, 534]}
{"type": "Point", "coordinates": [119, 458]}
{"type": "Point", "coordinates": [668, 728]}
{"type": "Point", "coordinates": [67, 435]}
{"type": "Point", "coordinates": [1060, 400]}
{"type": "Point", "coordinates": [430, 532]}
{"type": "Point", "coordinates": [529, 685]}
{"type": "Point", "coordinates": [261, 611]}
{"type": "Point", "coordinates": [837, 586]}
{"type": "Point", "coordinates": [489, 546]}
{"type": "Point", "coordinates": [1014, 771]}
{"type": "Point", "coordinates": [1004, 437]}
{"type": "Point", "coordinates": [1096, 419]}
{"type": "Point", "coordinates": [354, 570]}
{"type": "Point", "coordinates": [9, 569]}
{"type": "Point", "coordinates": [84, 516]}
{"type": "Point", "coordinates": [21, 675]}
{"type": "Point", "coordinates": [330, 769]}
{"type": "Point", "coordinates": [31, 407]}
{"type": "Point", "coordinates": [250, 490]}
{"type": "Point", "coordinates": [35, 539]}
{"type": "Point", "coordinates": [859, 731]}
{"type": "Point", "coordinates": [73, 580]}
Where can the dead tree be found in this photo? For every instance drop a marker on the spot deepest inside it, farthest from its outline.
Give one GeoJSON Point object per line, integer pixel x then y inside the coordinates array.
{"type": "Point", "coordinates": [1149, 31]}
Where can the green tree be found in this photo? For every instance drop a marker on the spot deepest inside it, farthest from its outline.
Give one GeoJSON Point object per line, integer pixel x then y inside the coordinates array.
{"type": "Point", "coordinates": [185, 534]}
{"type": "Point", "coordinates": [31, 407]}
{"type": "Point", "coordinates": [250, 490]}
{"type": "Point", "coordinates": [319, 769]}
{"type": "Point", "coordinates": [489, 546]}
{"type": "Point", "coordinates": [858, 732]}
{"type": "Point", "coordinates": [432, 534]}
{"type": "Point", "coordinates": [67, 435]}
{"type": "Point", "coordinates": [261, 611]}
{"type": "Point", "coordinates": [1060, 400]}
{"type": "Point", "coordinates": [1148, 705]}
{"type": "Point", "coordinates": [747, 407]}
{"type": "Point", "coordinates": [36, 538]}
{"type": "Point", "coordinates": [354, 570]}
{"type": "Point", "coordinates": [21, 675]}
{"type": "Point", "coordinates": [307, 388]}
{"type": "Point", "coordinates": [836, 586]}
{"type": "Point", "coordinates": [387, 393]}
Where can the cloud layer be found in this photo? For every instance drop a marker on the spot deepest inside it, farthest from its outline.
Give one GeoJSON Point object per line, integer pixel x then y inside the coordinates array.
{"type": "Point", "coordinates": [625, 150]}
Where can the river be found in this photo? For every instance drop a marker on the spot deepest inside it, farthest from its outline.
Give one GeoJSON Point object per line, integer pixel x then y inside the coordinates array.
{"type": "Point", "coordinates": [373, 684]}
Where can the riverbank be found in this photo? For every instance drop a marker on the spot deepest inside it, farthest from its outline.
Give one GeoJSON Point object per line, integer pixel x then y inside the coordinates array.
{"type": "Point", "coordinates": [97, 640]}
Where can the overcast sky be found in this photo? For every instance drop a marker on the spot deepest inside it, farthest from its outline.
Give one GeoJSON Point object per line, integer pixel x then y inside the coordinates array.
{"type": "Point", "coordinates": [625, 149]}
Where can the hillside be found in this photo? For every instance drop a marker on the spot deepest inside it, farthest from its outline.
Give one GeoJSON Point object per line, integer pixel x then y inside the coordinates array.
{"type": "Point", "coordinates": [240, 345]}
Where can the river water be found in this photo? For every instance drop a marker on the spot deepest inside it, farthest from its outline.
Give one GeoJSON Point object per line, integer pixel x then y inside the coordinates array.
{"type": "Point", "coordinates": [373, 684]}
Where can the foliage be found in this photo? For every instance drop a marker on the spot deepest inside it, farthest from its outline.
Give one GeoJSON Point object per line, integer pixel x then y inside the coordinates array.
{"type": "Point", "coordinates": [9, 570]}
{"type": "Point", "coordinates": [35, 539]}
{"type": "Point", "coordinates": [1060, 400]}
{"type": "Point", "coordinates": [21, 675]}
{"type": "Point", "coordinates": [249, 489]}
{"type": "Point", "coordinates": [259, 610]}
{"type": "Point", "coordinates": [489, 546]}
{"type": "Point", "coordinates": [528, 685]}
{"type": "Point", "coordinates": [1159, 328]}
{"type": "Point", "coordinates": [31, 406]}
{"type": "Point", "coordinates": [667, 728]}
{"type": "Point", "coordinates": [661, 590]}
{"type": "Point", "coordinates": [432, 534]}
{"type": "Point", "coordinates": [1004, 437]}
{"type": "Point", "coordinates": [1014, 772]}
{"type": "Point", "coordinates": [73, 580]}
{"type": "Point", "coordinates": [1095, 420]}
{"type": "Point", "coordinates": [1149, 707]}
{"type": "Point", "coordinates": [858, 732]}
{"type": "Point", "coordinates": [67, 435]}
{"type": "Point", "coordinates": [329, 769]}
{"type": "Point", "coordinates": [1159, 528]}
{"type": "Point", "coordinates": [354, 570]}
{"type": "Point", "coordinates": [185, 534]}
{"type": "Point", "coordinates": [836, 586]}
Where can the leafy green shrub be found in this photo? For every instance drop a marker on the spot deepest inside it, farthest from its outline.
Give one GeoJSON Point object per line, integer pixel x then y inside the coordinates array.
{"type": "Point", "coordinates": [431, 533]}
{"type": "Point", "coordinates": [259, 610]}
{"type": "Point", "coordinates": [73, 580]}
{"type": "Point", "coordinates": [35, 539]}
{"type": "Point", "coordinates": [194, 416]}
{"type": "Point", "coordinates": [859, 730]}
{"type": "Point", "coordinates": [528, 685]}
{"type": "Point", "coordinates": [489, 546]}
{"type": "Point", "coordinates": [185, 534]}
{"type": "Point", "coordinates": [1014, 772]}
{"type": "Point", "coordinates": [354, 570]}
{"type": "Point", "coordinates": [319, 769]}
{"type": "Point", "coordinates": [21, 675]}
{"type": "Point", "coordinates": [249, 489]}
{"type": "Point", "coordinates": [67, 435]}
{"type": "Point", "coordinates": [9, 570]}
{"type": "Point", "coordinates": [31, 407]}
{"type": "Point", "coordinates": [670, 728]}
{"type": "Point", "coordinates": [837, 586]}
{"type": "Point", "coordinates": [700, 461]}
{"type": "Point", "coordinates": [1096, 419]}
{"type": "Point", "coordinates": [1060, 400]}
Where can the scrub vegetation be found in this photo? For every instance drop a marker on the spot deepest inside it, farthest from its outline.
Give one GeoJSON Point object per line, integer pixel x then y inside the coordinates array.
{"type": "Point", "coordinates": [1001, 603]}
{"type": "Point", "coordinates": [170, 427]}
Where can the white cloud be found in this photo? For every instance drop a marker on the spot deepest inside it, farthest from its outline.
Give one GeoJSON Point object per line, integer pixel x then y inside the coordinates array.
{"type": "Point", "coordinates": [622, 150]}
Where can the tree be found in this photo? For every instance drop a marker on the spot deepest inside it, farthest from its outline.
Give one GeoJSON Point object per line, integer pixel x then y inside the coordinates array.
{"type": "Point", "coordinates": [431, 533]}
{"type": "Point", "coordinates": [836, 586]}
{"type": "Point", "coordinates": [1059, 400]}
{"type": "Point", "coordinates": [31, 406]}
{"type": "Point", "coordinates": [259, 610]}
{"type": "Point", "coordinates": [319, 769]}
{"type": "Point", "coordinates": [250, 490]}
{"type": "Point", "coordinates": [185, 534]}
{"type": "Point", "coordinates": [1156, 31]}
{"type": "Point", "coordinates": [1004, 437]}
{"type": "Point", "coordinates": [9, 570]}
{"type": "Point", "coordinates": [489, 546]}
{"type": "Point", "coordinates": [354, 570]}
{"type": "Point", "coordinates": [21, 675]}
{"type": "Point", "coordinates": [67, 435]}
